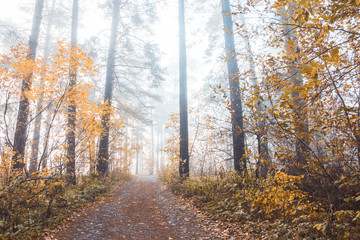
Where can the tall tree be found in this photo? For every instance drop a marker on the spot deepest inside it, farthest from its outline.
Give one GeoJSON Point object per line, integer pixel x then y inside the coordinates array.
{"type": "Point", "coordinates": [23, 112]}
{"type": "Point", "coordinates": [263, 163]}
{"type": "Point", "coordinates": [39, 107]}
{"type": "Point", "coordinates": [137, 136]}
{"type": "Point", "coordinates": [238, 132]}
{"type": "Point", "coordinates": [184, 138]}
{"type": "Point", "coordinates": [71, 141]}
{"type": "Point", "coordinates": [103, 155]}
{"type": "Point", "coordinates": [301, 128]}
{"type": "Point", "coordinates": [152, 162]}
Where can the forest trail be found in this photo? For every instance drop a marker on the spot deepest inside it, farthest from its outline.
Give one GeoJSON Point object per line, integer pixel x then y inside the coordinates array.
{"type": "Point", "coordinates": [143, 209]}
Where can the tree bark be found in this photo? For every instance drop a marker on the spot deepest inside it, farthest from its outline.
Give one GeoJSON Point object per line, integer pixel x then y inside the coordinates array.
{"type": "Point", "coordinates": [23, 112]}
{"type": "Point", "coordinates": [264, 162]}
{"type": "Point", "coordinates": [300, 119]}
{"type": "Point", "coordinates": [126, 148]}
{"type": "Point", "coordinates": [45, 155]}
{"type": "Point", "coordinates": [161, 164]}
{"type": "Point", "coordinates": [39, 108]}
{"type": "Point", "coordinates": [157, 148]}
{"type": "Point", "coordinates": [71, 126]}
{"type": "Point", "coordinates": [103, 155]}
{"type": "Point", "coordinates": [238, 132]}
{"type": "Point", "coordinates": [152, 149]}
{"type": "Point", "coordinates": [184, 136]}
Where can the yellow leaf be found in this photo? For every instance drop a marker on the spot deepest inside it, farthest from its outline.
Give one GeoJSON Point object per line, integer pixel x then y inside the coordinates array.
{"type": "Point", "coordinates": [334, 52]}
{"type": "Point", "coordinates": [227, 31]}
{"type": "Point", "coordinates": [306, 69]}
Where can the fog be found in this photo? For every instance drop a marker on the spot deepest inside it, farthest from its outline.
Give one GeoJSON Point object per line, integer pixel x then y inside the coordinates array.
{"type": "Point", "coordinates": [146, 87]}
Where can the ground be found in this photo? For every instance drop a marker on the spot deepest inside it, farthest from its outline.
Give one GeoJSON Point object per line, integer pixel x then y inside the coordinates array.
{"type": "Point", "coordinates": [143, 209]}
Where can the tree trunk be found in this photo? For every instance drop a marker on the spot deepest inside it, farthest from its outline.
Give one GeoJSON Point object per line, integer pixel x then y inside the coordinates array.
{"type": "Point", "coordinates": [103, 156]}
{"type": "Point", "coordinates": [44, 156]}
{"type": "Point", "coordinates": [161, 163]}
{"type": "Point", "coordinates": [23, 112]}
{"type": "Point", "coordinates": [152, 149]}
{"type": "Point", "coordinates": [157, 148]}
{"type": "Point", "coordinates": [238, 132]}
{"type": "Point", "coordinates": [126, 148]}
{"type": "Point", "coordinates": [137, 147]}
{"type": "Point", "coordinates": [39, 108]}
{"type": "Point", "coordinates": [184, 138]}
{"type": "Point", "coordinates": [71, 141]}
{"type": "Point", "coordinates": [264, 162]}
{"type": "Point", "coordinates": [300, 119]}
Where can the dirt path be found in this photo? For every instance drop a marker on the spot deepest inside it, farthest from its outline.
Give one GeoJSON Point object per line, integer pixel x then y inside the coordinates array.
{"type": "Point", "coordinates": [141, 209]}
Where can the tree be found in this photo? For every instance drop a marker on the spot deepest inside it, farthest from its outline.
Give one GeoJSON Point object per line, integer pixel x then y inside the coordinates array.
{"type": "Point", "coordinates": [238, 133]}
{"type": "Point", "coordinates": [184, 138]}
{"type": "Point", "coordinates": [23, 112]}
{"type": "Point", "coordinates": [301, 128]}
{"type": "Point", "coordinates": [39, 108]}
{"type": "Point", "coordinates": [103, 154]}
{"type": "Point", "coordinates": [263, 163]}
{"type": "Point", "coordinates": [71, 140]}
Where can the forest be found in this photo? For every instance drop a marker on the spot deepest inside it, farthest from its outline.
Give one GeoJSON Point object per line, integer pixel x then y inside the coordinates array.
{"type": "Point", "coordinates": [195, 119]}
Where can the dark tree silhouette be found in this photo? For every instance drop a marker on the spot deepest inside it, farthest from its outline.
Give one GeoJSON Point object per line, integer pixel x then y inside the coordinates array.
{"type": "Point", "coordinates": [184, 138]}
{"type": "Point", "coordinates": [71, 140]}
{"type": "Point", "coordinates": [23, 112]}
{"type": "Point", "coordinates": [238, 133]}
{"type": "Point", "coordinates": [103, 155]}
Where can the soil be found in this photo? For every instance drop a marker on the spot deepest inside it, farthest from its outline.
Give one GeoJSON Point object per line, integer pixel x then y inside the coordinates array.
{"type": "Point", "coordinates": [143, 209]}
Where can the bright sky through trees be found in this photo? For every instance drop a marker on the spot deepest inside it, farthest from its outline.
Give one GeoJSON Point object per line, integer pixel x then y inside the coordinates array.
{"type": "Point", "coordinates": [93, 22]}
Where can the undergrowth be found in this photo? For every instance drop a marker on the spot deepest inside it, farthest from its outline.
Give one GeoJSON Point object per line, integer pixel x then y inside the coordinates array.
{"type": "Point", "coordinates": [272, 208]}
{"type": "Point", "coordinates": [30, 205]}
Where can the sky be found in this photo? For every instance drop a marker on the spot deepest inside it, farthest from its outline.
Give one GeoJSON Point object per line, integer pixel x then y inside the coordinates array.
{"type": "Point", "coordinates": [93, 22]}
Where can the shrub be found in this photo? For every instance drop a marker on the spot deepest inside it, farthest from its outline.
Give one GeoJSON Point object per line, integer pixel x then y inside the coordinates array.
{"type": "Point", "coordinates": [277, 202]}
{"type": "Point", "coordinates": [28, 205]}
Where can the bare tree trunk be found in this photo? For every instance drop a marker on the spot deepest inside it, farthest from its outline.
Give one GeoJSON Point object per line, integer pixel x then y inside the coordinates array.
{"type": "Point", "coordinates": [126, 146]}
{"type": "Point", "coordinates": [152, 149]}
{"type": "Point", "coordinates": [184, 136]}
{"type": "Point", "coordinates": [23, 113]}
{"type": "Point", "coordinates": [39, 108]}
{"type": "Point", "coordinates": [137, 150]}
{"type": "Point", "coordinates": [264, 162]}
{"type": "Point", "coordinates": [44, 156]}
{"type": "Point", "coordinates": [300, 120]}
{"type": "Point", "coordinates": [103, 156]}
{"type": "Point", "coordinates": [158, 148]}
{"type": "Point", "coordinates": [238, 132]}
{"type": "Point", "coordinates": [71, 139]}
{"type": "Point", "coordinates": [162, 161]}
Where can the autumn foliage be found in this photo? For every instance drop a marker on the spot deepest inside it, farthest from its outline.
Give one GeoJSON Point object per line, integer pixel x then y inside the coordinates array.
{"type": "Point", "coordinates": [29, 202]}
{"type": "Point", "coordinates": [309, 87]}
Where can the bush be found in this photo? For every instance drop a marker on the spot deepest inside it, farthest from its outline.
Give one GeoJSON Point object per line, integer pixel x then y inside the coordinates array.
{"type": "Point", "coordinates": [275, 207]}
{"type": "Point", "coordinates": [28, 205]}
